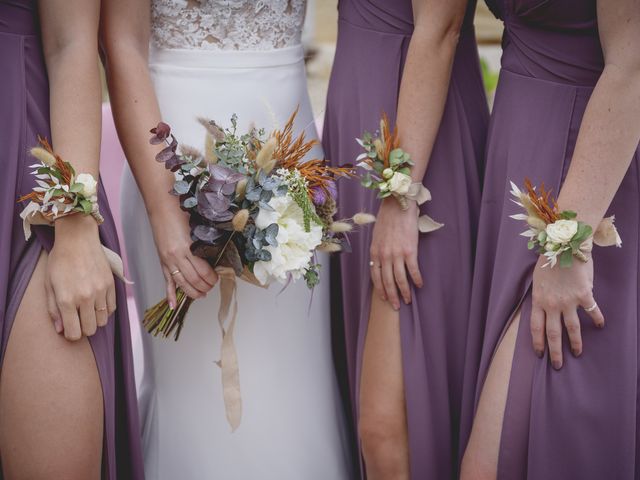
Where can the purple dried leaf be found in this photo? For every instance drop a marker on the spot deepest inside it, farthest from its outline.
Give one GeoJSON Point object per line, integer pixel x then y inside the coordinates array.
{"type": "Point", "coordinates": [160, 133]}
{"type": "Point", "coordinates": [214, 207]}
{"type": "Point", "coordinates": [206, 233]}
{"type": "Point", "coordinates": [225, 174]}
{"type": "Point", "coordinates": [165, 154]}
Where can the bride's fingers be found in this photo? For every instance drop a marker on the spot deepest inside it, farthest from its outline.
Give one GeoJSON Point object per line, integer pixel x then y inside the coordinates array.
{"type": "Point", "coordinates": [171, 287]}
{"type": "Point", "coordinates": [189, 274]}
{"type": "Point", "coordinates": [205, 271]}
{"type": "Point", "coordinates": [572, 324]}
{"type": "Point", "coordinates": [593, 310]}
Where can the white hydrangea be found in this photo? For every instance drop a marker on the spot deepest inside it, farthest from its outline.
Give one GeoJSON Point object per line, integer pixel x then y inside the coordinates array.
{"type": "Point", "coordinates": [295, 246]}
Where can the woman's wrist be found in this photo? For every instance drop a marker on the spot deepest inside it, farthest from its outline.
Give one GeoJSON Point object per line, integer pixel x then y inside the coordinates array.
{"type": "Point", "coordinates": [77, 226]}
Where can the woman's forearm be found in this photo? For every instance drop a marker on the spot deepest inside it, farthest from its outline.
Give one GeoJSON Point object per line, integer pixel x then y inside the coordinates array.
{"type": "Point", "coordinates": [608, 138]}
{"type": "Point", "coordinates": [71, 57]}
{"type": "Point", "coordinates": [425, 80]}
{"type": "Point", "coordinates": [610, 129]}
{"type": "Point", "coordinates": [136, 110]}
{"type": "Point", "coordinates": [75, 97]}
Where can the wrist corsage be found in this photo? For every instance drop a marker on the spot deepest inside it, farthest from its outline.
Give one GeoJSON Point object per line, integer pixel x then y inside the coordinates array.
{"type": "Point", "coordinates": [559, 235]}
{"type": "Point", "coordinates": [61, 192]}
{"type": "Point", "coordinates": [388, 171]}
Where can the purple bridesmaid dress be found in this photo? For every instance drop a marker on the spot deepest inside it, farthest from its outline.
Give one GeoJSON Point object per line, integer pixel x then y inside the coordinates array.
{"type": "Point", "coordinates": [373, 37]}
{"type": "Point", "coordinates": [580, 422]}
{"type": "Point", "coordinates": [24, 114]}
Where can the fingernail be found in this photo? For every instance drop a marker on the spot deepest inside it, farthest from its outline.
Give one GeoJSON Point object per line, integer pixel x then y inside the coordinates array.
{"type": "Point", "coordinates": [384, 299]}
{"type": "Point", "coordinates": [396, 306]}
{"type": "Point", "coordinates": [576, 352]}
{"type": "Point", "coordinates": [172, 305]}
{"type": "Point", "coordinates": [58, 326]}
{"type": "Point", "coordinates": [556, 364]}
{"type": "Point", "coordinates": [539, 353]}
{"type": "Point", "coordinates": [600, 325]}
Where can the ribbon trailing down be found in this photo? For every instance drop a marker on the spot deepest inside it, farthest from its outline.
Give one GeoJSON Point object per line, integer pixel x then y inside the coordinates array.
{"type": "Point", "coordinates": [228, 363]}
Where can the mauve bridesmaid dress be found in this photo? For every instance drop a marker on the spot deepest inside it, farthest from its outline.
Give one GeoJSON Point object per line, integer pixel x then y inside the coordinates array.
{"type": "Point", "coordinates": [580, 422]}
{"type": "Point", "coordinates": [24, 114]}
{"type": "Point", "coordinates": [373, 37]}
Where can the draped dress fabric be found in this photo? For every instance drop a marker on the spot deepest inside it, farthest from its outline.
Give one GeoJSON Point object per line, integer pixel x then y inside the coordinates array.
{"type": "Point", "coordinates": [24, 114]}
{"type": "Point", "coordinates": [373, 38]}
{"type": "Point", "coordinates": [292, 424]}
{"type": "Point", "coordinates": [579, 422]}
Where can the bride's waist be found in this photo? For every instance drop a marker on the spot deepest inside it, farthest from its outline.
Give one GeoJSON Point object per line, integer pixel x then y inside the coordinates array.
{"type": "Point", "coordinates": [225, 59]}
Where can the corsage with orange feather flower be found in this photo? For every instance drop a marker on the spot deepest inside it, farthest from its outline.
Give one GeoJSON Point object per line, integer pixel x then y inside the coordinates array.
{"type": "Point", "coordinates": [559, 235]}
{"type": "Point", "coordinates": [388, 171]}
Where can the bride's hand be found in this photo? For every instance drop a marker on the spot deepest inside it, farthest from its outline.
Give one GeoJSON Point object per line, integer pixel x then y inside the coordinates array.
{"type": "Point", "coordinates": [558, 293]}
{"type": "Point", "coordinates": [79, 283]}
{"type": "Point", "coordinates": [180, 267]}
{"type": "Point", "coordinates": [394, 252]}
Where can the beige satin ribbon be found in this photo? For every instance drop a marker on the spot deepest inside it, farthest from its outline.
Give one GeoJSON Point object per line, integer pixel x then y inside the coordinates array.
{"type": "Point", "coordinates": [606, 235]}
{"type": "Point", "coordinates": [420, 194]}
{"type": "Point", "coordinates": [31, 215]}
{"type": "Point", "coordinates": [228, 363]}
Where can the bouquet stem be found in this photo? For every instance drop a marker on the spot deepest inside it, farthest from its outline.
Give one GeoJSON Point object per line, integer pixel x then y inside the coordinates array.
{"type": "Point", "coordinates": [161, 320]}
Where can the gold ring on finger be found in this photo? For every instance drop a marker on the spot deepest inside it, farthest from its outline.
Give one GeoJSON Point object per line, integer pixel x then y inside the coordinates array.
{"type": "Point", "coordinates": [175, 272]}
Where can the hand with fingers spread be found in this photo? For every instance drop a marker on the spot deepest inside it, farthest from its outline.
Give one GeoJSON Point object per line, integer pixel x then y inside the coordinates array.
{"type": "Point", "coordinates": [180, 267]}
{"type": "Point", "coordinates": [558, 293]}
{"type": "Point", "coordinates": [79, 283]}
{"type": "Point", "coordinates": [394, 252]}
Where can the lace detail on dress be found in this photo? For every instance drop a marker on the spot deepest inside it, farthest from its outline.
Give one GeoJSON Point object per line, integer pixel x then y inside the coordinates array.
{"type": "Point", "coordinates": [227, 24]}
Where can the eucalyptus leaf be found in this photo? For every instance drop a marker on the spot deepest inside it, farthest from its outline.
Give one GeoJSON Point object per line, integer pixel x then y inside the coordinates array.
{"type": "Point", "coordinates": [264, 255]}
{"type": "Point", "coordinates": [181, 187]}
{"type": "Point", "coordinates": [190, 202]}
{"type": "Point", "coordinates": [271, 233]}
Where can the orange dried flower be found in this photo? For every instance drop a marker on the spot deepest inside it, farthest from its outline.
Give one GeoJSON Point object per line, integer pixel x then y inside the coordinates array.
{"type": "Point", "coordinates": [544, 204]}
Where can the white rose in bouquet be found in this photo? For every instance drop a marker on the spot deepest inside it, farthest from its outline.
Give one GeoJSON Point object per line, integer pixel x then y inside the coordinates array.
{"type": "Point", "coordinates": [561, 231]}
{"type": "Point", "coordinates": [295, 246]}
{"type": "Point", "coordinates": [400, 183]}
{"type": "Point", "coordinates": [89, 185]}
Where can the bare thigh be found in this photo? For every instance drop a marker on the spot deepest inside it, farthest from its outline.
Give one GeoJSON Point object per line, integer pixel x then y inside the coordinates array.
{"type": "Point", "coordinates": [382, 399]}
{"type": "Point", "coordinates": [51, 404]}
{"type": "Point", "coordinates": [480, 460]}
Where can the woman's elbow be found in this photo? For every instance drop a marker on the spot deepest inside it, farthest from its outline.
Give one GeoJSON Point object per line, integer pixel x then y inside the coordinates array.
{"type": "Point", "coordinates": [118, 45]}
{"type": "Point", "coordinates": [443, 31]}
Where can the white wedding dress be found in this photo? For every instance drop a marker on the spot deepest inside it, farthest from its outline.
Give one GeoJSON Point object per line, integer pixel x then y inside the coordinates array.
{"type": "Point", "coordinates": [213, 58]}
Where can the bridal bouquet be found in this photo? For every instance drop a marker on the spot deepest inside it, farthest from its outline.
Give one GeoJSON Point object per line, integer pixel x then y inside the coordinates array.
{"type": "Point", "coordinates": [258, 211]}
{"type": "Point", "coordinates": [559, 235]}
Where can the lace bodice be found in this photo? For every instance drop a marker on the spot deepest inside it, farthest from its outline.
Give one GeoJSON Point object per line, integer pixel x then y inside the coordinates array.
{"type": "Point", "coordinates": [226, 24]}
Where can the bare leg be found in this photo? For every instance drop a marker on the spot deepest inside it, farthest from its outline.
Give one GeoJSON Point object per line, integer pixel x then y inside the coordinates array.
{"type": "Point", "coordinates": [480, 461]}
{"type": "Point", "coordinates": [51, 404]}
{"type": "Point", "coordinates": [383, 418]}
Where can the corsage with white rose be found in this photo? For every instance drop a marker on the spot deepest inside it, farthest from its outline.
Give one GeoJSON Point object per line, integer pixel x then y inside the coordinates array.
{"type": "Point", "coordinates": [559, 235]}
{"type": "Point", "coordinates": [61, 192]}
{"type": "Point", "coordinates": [388, 171]}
